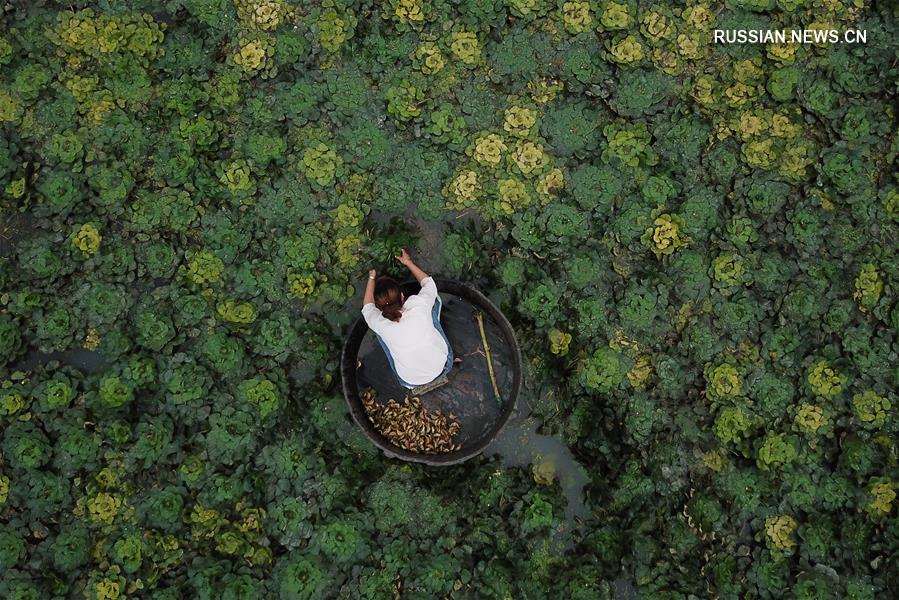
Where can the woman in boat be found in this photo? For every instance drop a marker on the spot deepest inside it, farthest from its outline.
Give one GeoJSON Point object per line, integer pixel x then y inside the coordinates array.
{"type": "Point", "coordinates": [408, 328]}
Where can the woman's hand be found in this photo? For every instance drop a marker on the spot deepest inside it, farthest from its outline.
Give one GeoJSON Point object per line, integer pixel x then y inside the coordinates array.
{"type": "Point", "coordinates": [404, 258]}
{"type": "Point", "coordinates": [369, 296]}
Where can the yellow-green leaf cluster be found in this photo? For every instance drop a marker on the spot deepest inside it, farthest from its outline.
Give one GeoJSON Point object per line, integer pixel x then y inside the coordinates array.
{"type": "Point", "coordinates": [779, 534]}
{"type": "Point", "coordinates": [87, 239]}
{"type": "Point", "coordinates": [824, 380]}
{"type": "Point", "coordinates": [264, 15]}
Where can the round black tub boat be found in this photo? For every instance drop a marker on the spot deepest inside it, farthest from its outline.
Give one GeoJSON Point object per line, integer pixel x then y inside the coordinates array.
{"type": "Point", "coordinates": [469, 393]}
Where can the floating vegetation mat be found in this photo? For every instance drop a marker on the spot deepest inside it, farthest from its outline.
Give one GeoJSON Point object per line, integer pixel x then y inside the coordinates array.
{"type": "Point", "coordinates": [410, 425]}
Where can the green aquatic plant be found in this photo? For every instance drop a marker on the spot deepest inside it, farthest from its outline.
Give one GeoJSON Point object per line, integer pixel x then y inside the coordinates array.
{"type": "Point", "coordinates": [114, 392]}
{"type": "Point", "coordinates": [466, 47]}
{"type": "Point", "coordinates": [230, 436]}
{"type": "Point", "coordinates": [446, 126]}
{"type": "Point", "coordinates": [9, 337]}
{"type": "Point", "coordinates": [824, 380]}
{"type": "Point", "coordinates": [882, 493]}
{"type": "Point", "coordinates": [235, 311]}
{"type": "Point", "coordinates": [868, 286]}
{"type": "Point", "coordinates": [404, 100]}
{"type": "Point", "coordinates": [264, 15]}
{"type": "Point", "coordinates": [871, 409]}
{"type": "Point", "coordinates": [237, 176]}
{"type": "Point", "coordinates": [603, 370]}
{"type": "Point", "coordinates": [571, 129]}
{"type": "Point", "coordinates": [734, 424]}
{"type": "Point", "coordinates": [299, 577]}
{"type": "Point", "coordinates": [87, 239]}
{"type": "Point", "coordinates": [779, 534]}
{"type": "Point", "coordinates": [321, 163]}
{"type": "Point", "coordinates": [724, 381]}
{"type": "Point", "coordinates": [254, 56]}
{"type": "Point", "coordinates": [204, 267]}
{"type": "Point", "coordinates": [342, 541]}
{"type": "Point", "coordinates": [775, 451]}
{"type": "Point", "coordinates": [663, 237]}
{"type": "Point", "coordinates": [55, 394]}
{"type": "Point", "coordinates": [154, 330]}
{"type": "Point", "coordinates": [629, 144]}
{"type": "Point", "coordinates": [559, 341]}
{"type": "Point", "coordinates": [261, 393]}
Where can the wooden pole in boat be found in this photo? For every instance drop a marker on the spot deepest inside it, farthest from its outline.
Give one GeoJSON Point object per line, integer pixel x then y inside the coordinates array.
{"type": "Point", "coordinates": [480, 318]}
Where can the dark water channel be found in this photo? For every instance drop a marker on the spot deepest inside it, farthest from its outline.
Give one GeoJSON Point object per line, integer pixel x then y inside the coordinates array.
{"type": "Point", "coordinates": [79, 358]}
{"type": "Point", "coordinates": [14, 226]}
{"type": "Point", "coordinates": [548, 458]}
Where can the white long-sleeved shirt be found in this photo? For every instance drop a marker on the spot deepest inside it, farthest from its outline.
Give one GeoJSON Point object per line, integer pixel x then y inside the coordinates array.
{"type": "Point", "coordinates": [419, 351]}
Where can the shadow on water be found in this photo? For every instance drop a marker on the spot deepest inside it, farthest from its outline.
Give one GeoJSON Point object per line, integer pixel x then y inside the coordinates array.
{"type": "Point", "coordinates": [549, 458]}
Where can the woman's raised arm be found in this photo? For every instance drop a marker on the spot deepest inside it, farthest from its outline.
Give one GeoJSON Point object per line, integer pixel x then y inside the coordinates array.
{"type": "Point", "coordinates": [369, 296]}
{"type": "Point", "coordinates": [405, 259]}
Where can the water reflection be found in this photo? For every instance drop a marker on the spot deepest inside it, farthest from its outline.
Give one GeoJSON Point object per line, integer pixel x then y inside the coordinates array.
{"type": "Point", "coordinates": [548, 458]}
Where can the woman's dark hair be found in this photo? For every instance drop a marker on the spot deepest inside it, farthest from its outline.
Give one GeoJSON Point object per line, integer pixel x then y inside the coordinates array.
{"type": "Point", "coordinates": [388, 297]}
